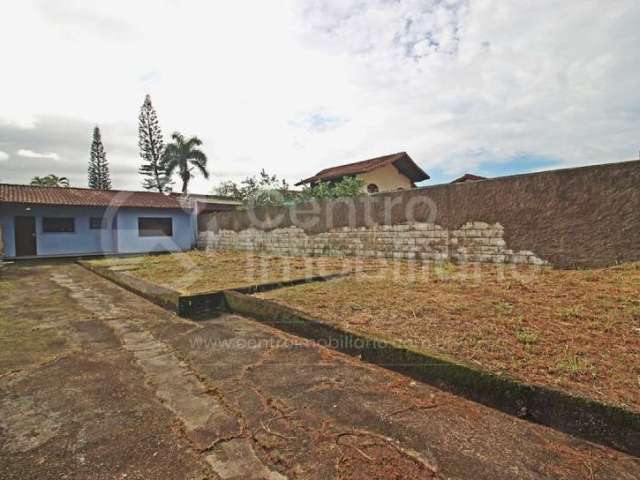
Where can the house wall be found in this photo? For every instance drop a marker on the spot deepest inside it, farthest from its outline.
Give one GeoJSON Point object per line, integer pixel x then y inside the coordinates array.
{"type": "Point", "coordinates": [387, 178]}
{"type": "Point", "coordinates": [123, 239]}
{"type": "Point", "coordinates": [129, 240]}
{"type": "Point", "coordinates": [587, 216]}
{"type": "Point", "coordinates": [83, 240]}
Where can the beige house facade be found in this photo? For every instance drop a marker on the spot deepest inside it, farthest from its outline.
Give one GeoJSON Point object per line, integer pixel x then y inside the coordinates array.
{"type": "Point", "coordinates": [381, 174]}
{"type": "Point", "coordinates": [384, 179]}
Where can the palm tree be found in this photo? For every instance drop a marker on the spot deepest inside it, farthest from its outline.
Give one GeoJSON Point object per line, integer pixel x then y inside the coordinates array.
{"type": "Point", "coordinates": [50, 180]}
{"type": "Point", "coordinates": [182, 154]}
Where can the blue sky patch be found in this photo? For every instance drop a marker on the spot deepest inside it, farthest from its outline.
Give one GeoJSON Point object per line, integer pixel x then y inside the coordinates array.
{"type": "Point", "coordinates": [525, 163]}
{"type": "Point", "coordinates": [318, 121]}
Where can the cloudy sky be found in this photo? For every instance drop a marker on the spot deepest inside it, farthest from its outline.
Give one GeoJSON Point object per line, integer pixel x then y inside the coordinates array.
{"type": "Point", "coordinates": [485, 86]}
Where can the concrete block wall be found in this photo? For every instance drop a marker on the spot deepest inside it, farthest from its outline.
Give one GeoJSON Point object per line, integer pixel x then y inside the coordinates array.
{"type": "Point", "coordinates": [473, 242]}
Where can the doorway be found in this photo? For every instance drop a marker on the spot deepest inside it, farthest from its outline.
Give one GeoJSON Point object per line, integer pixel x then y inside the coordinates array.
{"type": "Point", "coordinates": [25, 233]}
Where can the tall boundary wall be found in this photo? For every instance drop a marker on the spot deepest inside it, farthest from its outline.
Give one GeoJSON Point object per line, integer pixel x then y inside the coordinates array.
{"type": "Point", "coordinates": [577, 217]}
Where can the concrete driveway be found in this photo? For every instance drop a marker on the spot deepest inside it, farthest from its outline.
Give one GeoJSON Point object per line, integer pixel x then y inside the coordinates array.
{"type": "Point", "coordinates": [98, 383]}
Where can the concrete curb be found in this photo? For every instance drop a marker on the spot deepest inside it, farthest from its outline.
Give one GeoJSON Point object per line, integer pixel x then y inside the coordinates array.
{"type": "Point", "coordinates": [196, 305]}
{"type": "Point", "coordinates": [202, 304]}
{"type": "Point", "coordinates": [162, 296]}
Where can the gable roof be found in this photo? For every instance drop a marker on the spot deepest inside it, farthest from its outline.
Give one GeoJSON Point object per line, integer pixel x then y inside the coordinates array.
{"type": "Point", "coordinates": [85, 197]}
{"type": "Point", "coordinates": [402, 161]}
{"type": "Point", "coordinates": [468, 177]}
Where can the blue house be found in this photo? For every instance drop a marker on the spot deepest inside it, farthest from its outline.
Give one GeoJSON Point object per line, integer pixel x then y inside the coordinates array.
{"type": "Point", "coordinates": [49, 222]}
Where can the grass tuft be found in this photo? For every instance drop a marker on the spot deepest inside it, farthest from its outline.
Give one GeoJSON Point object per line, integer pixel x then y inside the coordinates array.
{"type": "Point", "coordinates": [571, 313]}
{"type": "Point", "coordinates": [527, 337]}
{"type": "Point", "coordinates": [571, 362]}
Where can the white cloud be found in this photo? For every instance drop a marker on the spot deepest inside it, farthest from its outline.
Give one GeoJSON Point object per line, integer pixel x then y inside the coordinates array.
{"type": "Point", "coordinates": [298, 86]}
{"type": "Point", "coordinates": [3, 156]}
{"type": "Point", "coordinates": [31, 154]}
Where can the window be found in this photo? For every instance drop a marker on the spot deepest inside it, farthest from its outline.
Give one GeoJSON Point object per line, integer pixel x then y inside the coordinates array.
{"type": "Point", "coordinates": [58, 225]}
{"type": "Point", "coordinates": [97, 223]}
{"type": "Point", "coordinates": [372, 188]}
{"type": "Point", "coordinates": [155, 227]}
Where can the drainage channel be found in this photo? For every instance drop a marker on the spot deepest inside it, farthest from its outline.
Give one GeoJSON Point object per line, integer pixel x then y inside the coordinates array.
{"type": "Point", "coordinates": [210, 428]}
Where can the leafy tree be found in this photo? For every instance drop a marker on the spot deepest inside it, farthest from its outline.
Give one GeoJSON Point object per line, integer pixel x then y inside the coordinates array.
{"type": "Point", "coordinates": [229, 189]}
{"type": "Point", "coordinates": [267, 190]}
{"type": "Point", "coordinates": [346, 187]}
{"type": "Point", "coordinates": [99, 177]}
{"type": "Point", "coordinates": [151, 146]}
{"type": "Point", "coordinates": [259, 190]}
{"type": "Point", "coordinates": [50, 180]}
{"type": "Point", "coordinates": [182, 154]}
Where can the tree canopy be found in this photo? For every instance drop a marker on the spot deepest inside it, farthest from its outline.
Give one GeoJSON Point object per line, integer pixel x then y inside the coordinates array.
{"type": "Point", "coordinates": [346, 187]}
{"type": "Point", "coordinates": [184, 156]}
{"type": "Point", "coordinates": [50, 180]}
{"type": "Point", "coordinates": [99, 177]}
{"type": "Point", "coordinates": [258, 190]}
{"type": "Point", "coordinates": [151, 145]}
{"type": "Point", "coordinates": [268, 190]}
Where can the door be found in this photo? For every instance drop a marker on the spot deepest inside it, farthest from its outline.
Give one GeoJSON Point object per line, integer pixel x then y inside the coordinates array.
{"type": "Point", "coordinates": [25, 236]}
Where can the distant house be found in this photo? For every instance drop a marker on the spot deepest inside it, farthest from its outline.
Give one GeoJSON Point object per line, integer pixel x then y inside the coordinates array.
{"type": "Point", "coordinates": [468, 177]}
{"type": "Point", "coordinates": [381, 174]}
{"type": "Point", "coordinates": [48, 221]}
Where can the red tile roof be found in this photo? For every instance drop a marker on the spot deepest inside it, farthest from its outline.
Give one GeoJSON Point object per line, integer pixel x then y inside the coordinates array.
{"type": "Point", "coordinates": [84, 197]}
{"type": "Point", "coordinates": [402, 161]}
{"type": "Point", "coordinates": [468, 177]}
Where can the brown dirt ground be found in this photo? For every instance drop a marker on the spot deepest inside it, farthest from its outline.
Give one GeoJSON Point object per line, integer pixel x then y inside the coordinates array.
{"type": "Point", "coordinates": [575, 330]}
{"type": "Point", "coordinates": [199, 271]}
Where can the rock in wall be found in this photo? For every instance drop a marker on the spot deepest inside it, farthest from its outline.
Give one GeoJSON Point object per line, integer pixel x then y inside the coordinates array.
{"type": "Point", "coordinates": [473, 242]}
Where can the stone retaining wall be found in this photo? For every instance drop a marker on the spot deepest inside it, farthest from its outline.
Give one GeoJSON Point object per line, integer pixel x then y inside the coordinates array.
{"type": "Point", "coordinates": [473, 242]}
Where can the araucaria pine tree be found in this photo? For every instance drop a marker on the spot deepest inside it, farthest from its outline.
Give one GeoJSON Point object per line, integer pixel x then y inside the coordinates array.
{"type": "Point", "coordinates": [151, 149]}
{"type": "Point", "coordinates": [99, 177]}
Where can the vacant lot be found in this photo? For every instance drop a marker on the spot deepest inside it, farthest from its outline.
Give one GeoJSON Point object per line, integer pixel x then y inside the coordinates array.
{"type": "Point", "coordinates": [197, 272]}
{"type": "Point", "coordinates": [578, 331]}
{"type": "Point", "coordinates": [134, 392]}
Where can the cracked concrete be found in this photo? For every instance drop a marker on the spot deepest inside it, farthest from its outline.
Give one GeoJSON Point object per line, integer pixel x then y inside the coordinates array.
{"type": "Point", "coordinates": [141, 392]}
{"type": "Point", "coordinates": [26, 424]}
{"type": "Point", "coordinates": [206, 421]}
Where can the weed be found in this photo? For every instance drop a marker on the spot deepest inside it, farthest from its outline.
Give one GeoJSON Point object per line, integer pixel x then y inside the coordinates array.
{"type": "Point", "coordinates": [571, 362]}
{"type": "Point", "coordinates": [503, 308]}
{"type": "Point", "coordinates": [355, 307]}
{"type": "Point", "coordinates": [570, 313]}
{"type": "Point", "coordinates": [445, 269]}
{"type": "Point", "coordinates": [527, 337]}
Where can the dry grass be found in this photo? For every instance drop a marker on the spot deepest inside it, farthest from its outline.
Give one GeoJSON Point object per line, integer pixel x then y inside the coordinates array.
{"type": "Point", "coordinates": [578, 330]}
{"type": "Point", "coordinates": [27, 340]}
{"type": "Point", "coordinates": [198, 271]}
